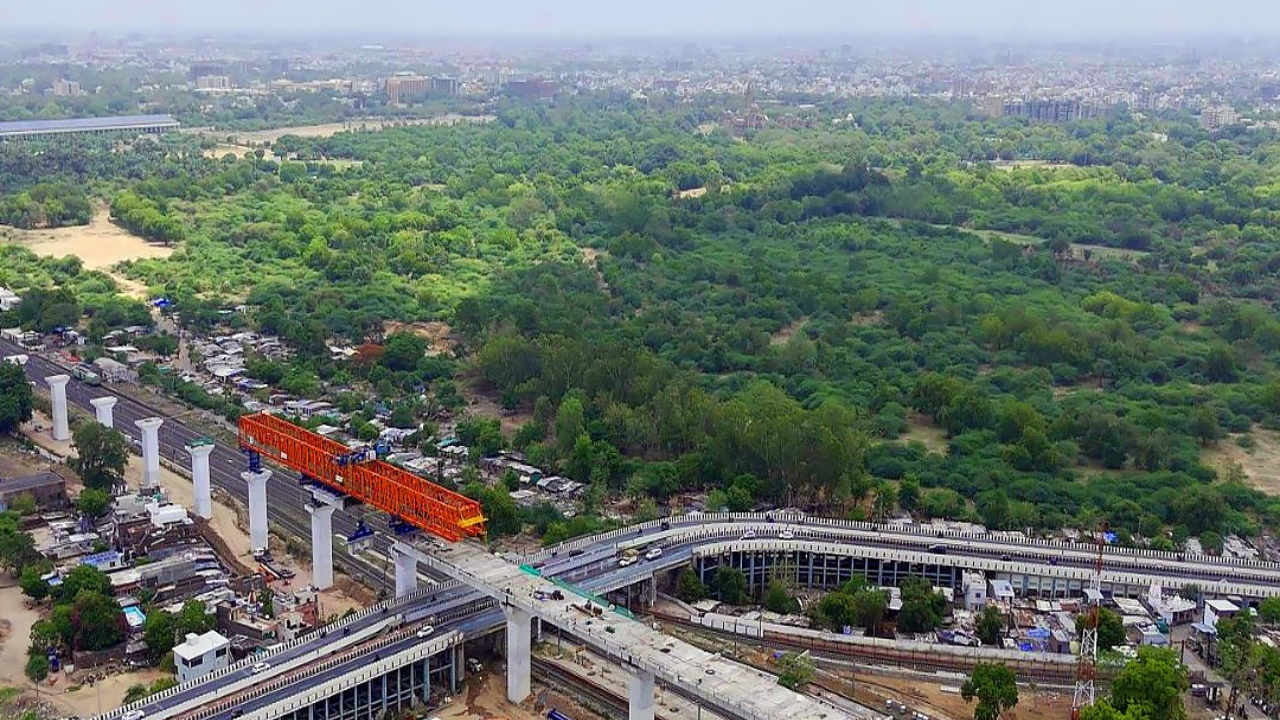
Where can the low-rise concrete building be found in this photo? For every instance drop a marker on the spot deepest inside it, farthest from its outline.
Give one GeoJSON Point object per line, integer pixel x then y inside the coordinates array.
{"type": "Point", "coordinates": [200, 655]}
{"type": "Point", "coordinates": [47, 488]}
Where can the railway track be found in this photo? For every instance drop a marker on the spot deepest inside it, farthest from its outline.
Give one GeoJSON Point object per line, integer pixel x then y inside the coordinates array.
{"type": "Point", "coordinates": [296, 522]}
{"type": "Point", "coordinates": [882, 655]}
{"type": "Point", "coordinates": [596, 696]}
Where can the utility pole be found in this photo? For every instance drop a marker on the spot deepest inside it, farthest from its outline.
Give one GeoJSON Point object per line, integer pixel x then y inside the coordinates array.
{"type": "Point", "coordinates": [1087, 666]}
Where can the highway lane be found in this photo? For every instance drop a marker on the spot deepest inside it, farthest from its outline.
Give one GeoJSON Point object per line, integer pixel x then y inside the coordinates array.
{"type": "Point", "coordinates": [593, 566]}
{"type": "Point", "coordinates": [597, 566]}
{"type": "Point", "coordinates": [225, 466]}
{"type": "Point", "coordinates": [284, 492]}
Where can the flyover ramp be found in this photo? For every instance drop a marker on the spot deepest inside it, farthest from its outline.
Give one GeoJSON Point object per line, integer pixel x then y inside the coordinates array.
{"type": "Point", "coordinates": [732, 689]}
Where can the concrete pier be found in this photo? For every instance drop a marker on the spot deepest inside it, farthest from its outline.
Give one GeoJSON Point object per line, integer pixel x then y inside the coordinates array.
{"type": "Point", "coordinates": [257, 507]}
{"type": "Point", "coordinates": [150, 428]}
{"type": "Point", "coordinates": [200, 478]}
{"type": "Point", "coordinates": [58, 394]}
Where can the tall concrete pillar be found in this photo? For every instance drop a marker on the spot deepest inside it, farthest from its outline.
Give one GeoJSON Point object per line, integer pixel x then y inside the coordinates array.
{"type": "Point", "coordinates": [200, 479]}
{"type": "Point", "coordinates": [519, 662]}
{"type": "Point", "coordinates": [459, 667]}
{"type": "Point", "coordinates": [150, 428]}
{"type": "Point", "coordinates": [406, 571]}
{"type": "Point", "coordinates": [321, 543]}
{"type": "Point", "coordinates": [257, 507]}
{"type": "Point", "coordinates": [103, 407]}
{"type": "Point", "coordinates": [640, 699]}
{"type": "Point", "coordinates": [58, 394]}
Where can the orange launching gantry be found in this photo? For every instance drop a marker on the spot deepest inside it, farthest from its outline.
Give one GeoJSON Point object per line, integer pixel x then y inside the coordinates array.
{"type": "Point", "coordinates": [400, 493]}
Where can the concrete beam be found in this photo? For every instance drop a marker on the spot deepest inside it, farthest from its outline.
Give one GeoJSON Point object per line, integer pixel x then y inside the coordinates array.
{"type": "Point", "coordinates": [257, 507]}
{"type": "Point", "coordinates": [103, 408]}
{"type": "Point", "coordinates": [58, 394]}
{"type": "Point", "coordinates": [150, 428]}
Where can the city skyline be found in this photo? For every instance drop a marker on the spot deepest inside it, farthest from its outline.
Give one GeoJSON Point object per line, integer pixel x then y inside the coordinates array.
{"type": "Point", "coordinates": [1084, 19]}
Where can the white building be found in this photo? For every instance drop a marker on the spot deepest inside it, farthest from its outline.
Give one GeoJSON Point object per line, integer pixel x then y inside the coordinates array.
{"type": "Point", "coordinates": [975, 591]}
{"type": "Point", "coordinates": [200, 655]}
{"type": "Point", "coordinates": [1214, 609]}
{"type": "Point", "coordinates": [8, 299]}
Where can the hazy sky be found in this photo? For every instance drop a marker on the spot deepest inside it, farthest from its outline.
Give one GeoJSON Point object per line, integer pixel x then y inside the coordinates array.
{"type": "Point", "coordinates": [654, 17]}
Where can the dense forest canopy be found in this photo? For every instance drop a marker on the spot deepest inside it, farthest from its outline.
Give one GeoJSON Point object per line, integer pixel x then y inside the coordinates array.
{"type": "Point", "coordinates": [1076, 311]}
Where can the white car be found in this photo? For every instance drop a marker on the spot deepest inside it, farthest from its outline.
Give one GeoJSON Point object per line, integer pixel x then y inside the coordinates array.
{"type": "Point", "coordinates": [627, 561]}
{"type": "Point", "coordinates": [748, 535]}
{"type": "Point", "coordinates": [425, 631]}
{"type": "Point", "coordinates": [653, 554]}
{"type": "Point", "coordinates": [133, 715]}
{"type": "Point", "coordinates": [787, 535]}
{"type": "Point", "coordinates": [260, 667]}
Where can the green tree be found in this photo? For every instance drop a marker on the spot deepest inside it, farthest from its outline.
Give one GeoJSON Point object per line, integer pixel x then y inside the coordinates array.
{"type": "Point", "coordinates": [33, 586]}
{"type": "Point", "coordinates": [995, 688]}
{"type": "Point", "coordinates": [690, 588]}
{"type": "Point", "coordinates": [1151, 685]}
{"type": "Point", "coordinates": [870, 605]}
{"type": "Point", "coordinates": [994, 508]}
{"type": "Point", "coordinates": [909, 494]}
{"type": "Point", "coordinates": [500, 511]}
{"type": "Point", "coordinates": [194, 618]}
{"type": "Point", "coordinates": [1204, 425]}
{"type": "Point", "coordinates": [922, 608]}
{"type": "Point", "coordinates": [16, 399]}
{"type": "Point", "coordinates": [731, 585]}
{"type": "Point", "coordinates": [83, 578]}
{"type": "Point", "coordinates": [267, 599]}
{"type": "Point", "coordinates": [60, 618]}
{"type": "Point", "coordinates": [97, 620]}
{"type": "Point", "coordinates": [160, 632]}
{"type": "Point", "coordinates": [37, 668]}
{"type": "Point", "coordinates": [17, 548]}
{"type": "Point", "coordinates": [101, 455]}
{"type": "Point", "coordinates": [778, 600]}
{"type": "Point", "coordinates": [24, 504]}
{"type": "Point", "coordinates": [837, 610]}
{"type": "Point", "coordinates": [134, 693]}
{"type": "Point", "coordinates": [44, 635]}
{"type": "Point", "coordinates": [482, 435]}
{"type": "Point", "coordinates": [1104, 710]}
{"type": "Point", "coordinates": [795, 670]}
{"type": "Point", "coordinates": [569, 424]}
{"type": "Point", "coordinates": [1110, 628]}
{"type": "Point", "coordinates": [93, 502]}
{"type": "Point", "coordinates": [1269, 610]}
{"type": "Point", "coordinates": [991, 625]}
{"type": "Point", "coordinates": [404, 351]}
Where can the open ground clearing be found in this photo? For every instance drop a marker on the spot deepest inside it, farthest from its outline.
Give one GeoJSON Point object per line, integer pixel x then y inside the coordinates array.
{"type": "Point", "coordinates": [1261, 463]}
{"type": "Point", "coordinates": [99, 245]}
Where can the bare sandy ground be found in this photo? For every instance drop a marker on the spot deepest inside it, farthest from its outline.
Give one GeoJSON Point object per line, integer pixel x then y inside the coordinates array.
{"type": "Point", "coordinates": [1261, 463]}
{"type": "Point", "coordinates": [99, 245]}
{"type": "Point", "coordinates": [17, 635]}
{"type": "Point", "coordinates": [330, 129]}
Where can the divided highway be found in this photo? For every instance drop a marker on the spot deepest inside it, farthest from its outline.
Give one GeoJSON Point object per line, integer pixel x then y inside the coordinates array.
{"type": "Point", "coordinates": [285, 497]}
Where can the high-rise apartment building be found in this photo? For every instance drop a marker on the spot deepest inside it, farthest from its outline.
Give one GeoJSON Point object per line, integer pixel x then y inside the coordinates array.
{"type": "Point", "coordinates": [402, 87]}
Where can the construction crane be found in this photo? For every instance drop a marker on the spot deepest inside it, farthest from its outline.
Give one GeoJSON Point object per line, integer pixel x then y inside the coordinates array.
{"type": "Point", "coordinates": [409, 499]}
{"type": "Point", "coordinates": [1087, 665]}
